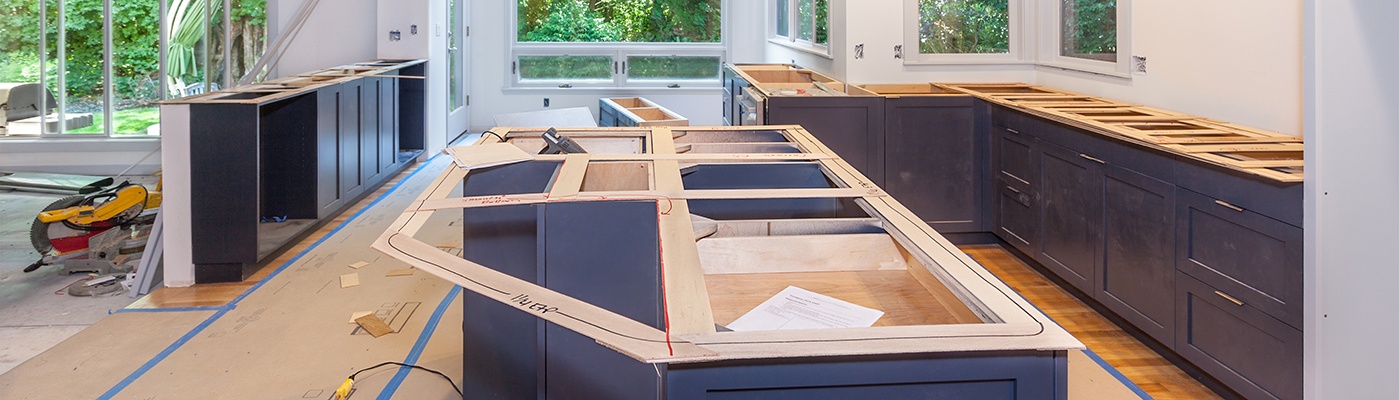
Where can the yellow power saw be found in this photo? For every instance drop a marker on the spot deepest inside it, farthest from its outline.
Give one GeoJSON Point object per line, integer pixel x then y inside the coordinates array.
{"type": "Point", "coordinates": [62, 230]}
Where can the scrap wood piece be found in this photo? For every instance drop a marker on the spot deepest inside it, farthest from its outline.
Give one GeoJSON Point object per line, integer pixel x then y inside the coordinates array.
{"type": "Point", "coordinates": [401, 272]}
{"type": "Point", "coordinates": [375, 326]}
{"type": "Point", "coordinates": [349, 280]}
{"type": "Point", "coordinates": [359, 265]}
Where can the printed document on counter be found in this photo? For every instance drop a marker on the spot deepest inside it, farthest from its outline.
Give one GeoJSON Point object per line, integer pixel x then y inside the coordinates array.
{"type": "Point", "coordinates": [797, 308]}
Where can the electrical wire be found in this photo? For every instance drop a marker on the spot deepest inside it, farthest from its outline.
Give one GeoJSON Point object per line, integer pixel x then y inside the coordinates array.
{"type": "Point", "coordinates": [344, 391]}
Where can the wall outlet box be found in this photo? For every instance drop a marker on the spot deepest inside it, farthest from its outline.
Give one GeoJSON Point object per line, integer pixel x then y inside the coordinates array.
{"type": "Point", "coordinates": [1138, 65]}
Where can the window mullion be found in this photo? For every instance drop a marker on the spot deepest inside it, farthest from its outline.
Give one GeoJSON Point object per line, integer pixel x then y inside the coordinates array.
{"type": "Point", "coordinates": [107, 104]}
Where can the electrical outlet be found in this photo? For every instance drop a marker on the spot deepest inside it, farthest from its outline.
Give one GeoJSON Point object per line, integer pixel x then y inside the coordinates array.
{"type": "Point", "coordinates": [546, 102]}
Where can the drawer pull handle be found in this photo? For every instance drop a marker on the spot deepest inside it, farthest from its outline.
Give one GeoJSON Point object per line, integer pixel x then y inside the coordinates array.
{"type": "Point", "coordinates": [1012, 131]}
{"type": "Point", "coordinates": [1013, 189]}
{"type": "Point", "coordinates": [1091, 158]}
{"type": "Point", "coordinates": [1229, 206]}
{"type": "Point", "coordinates": [1230, 298]}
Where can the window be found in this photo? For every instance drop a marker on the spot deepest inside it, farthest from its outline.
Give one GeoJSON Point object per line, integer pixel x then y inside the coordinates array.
{"type": "Point", "coordinates": [1088, 35]}
{"type": "Point", "coordinates": [619, 43]}
{"type": "Point", "coordinates": [812, 30]}
{"type": "Point", "coordinates": [94, 67]}
{"type": "Point", "coordinates": [964, 31]}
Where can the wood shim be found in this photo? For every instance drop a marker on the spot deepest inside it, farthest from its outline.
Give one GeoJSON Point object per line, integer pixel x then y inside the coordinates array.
{"type": "Point", "coordinates": [359, 265]}
{"type": "Point", "coordinates": [1010, 322]}
{"type": "Point", "coordinates": [349, 280]}
{"type": "Point", "coordinates": [375, 326]}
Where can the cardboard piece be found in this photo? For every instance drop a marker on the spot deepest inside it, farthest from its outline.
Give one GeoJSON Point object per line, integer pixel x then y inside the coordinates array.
{"type": "Point", "coordinates": [375, 326]}
{"type": "Point", "coordinates": [486, 155]}
{"type": "Point", "coordinates": [349, 280]}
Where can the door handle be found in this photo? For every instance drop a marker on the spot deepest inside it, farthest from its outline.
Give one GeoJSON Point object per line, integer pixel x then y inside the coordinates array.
{"type": "Point", "coordinates": [1226, 204]}
{"type": "Point", "coordinates": [1230, 298]}
{"type": "Point", "coordinates": [1012, 131]}
{"type": "Point", "coordinates": [1091, 158]}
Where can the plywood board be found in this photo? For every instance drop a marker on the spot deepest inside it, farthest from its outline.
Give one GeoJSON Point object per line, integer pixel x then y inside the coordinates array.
{"type": "Point", "coordinates": [803, 253]}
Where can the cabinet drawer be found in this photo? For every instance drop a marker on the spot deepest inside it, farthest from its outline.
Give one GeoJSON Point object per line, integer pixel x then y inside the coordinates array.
{"type": "Point", "coordinates": [1246, 349]}
{"type": "Point", "coordinates": [1256, 259]}
{"type": "Point", "coordinates": [1016, 219]}
{"type": "Point", "coordinates": [1013, 157]}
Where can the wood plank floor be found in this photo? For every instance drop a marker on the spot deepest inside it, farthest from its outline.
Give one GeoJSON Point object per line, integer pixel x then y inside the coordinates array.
{"type": "Point", "coordinates": [1154, 374]}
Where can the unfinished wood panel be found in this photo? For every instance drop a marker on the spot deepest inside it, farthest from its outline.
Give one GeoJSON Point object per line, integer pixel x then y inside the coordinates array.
{"type": "Point", "coordinates": [617, 176]}
{"type": "Point", "coordinates": [904, 301]}
{"type": "Point", "coordinates": [798, 253]}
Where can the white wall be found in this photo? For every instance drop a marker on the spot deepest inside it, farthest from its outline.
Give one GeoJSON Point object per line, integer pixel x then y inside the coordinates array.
{"type": "Point", "coordinates": [1237, 61]}
{"type": "Point", "coordinates": [1352, 187]}
{"type": "Point", "coordinates": [337, 32]}
{"type": "Point", "coordinates": [489, 68]}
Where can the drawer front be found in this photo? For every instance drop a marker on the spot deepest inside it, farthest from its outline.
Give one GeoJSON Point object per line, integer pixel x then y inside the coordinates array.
{"type": "Point", "coordinates": [1253, 353]}
{"type": "Point", "coordinates": [1013, 157]}
{"type": "Point", "coordinates": [1256, 259]}
{"type": "Point", "coordinates": [1016, 219]}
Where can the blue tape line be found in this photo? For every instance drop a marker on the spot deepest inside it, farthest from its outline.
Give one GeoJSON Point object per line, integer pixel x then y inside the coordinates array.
{"type": "Point", "coordinates": [1116, 374]}
{"type": "Point", "coordinates": [161, 357]}
{"type": "Point", "coordinates": [234, 303]}
{"type": "Point", "coordinates": [420, 345]}
{"type": "Point", "coordinates": [173, 309]}
{"type": "Point", "coordinates": [1102, 363]}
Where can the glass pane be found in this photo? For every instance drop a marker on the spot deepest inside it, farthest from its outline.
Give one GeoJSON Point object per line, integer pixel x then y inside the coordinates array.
{"type": "Point", "coordinates": [782, 16]}
{"type": "Point", "coordinates": [185, 50]}
{"type": "Point", "coordinates": [804, 10]}
{"type": "Point", "coordinates": [19, 63]}
{"type": "Point", "coordinates": [248, 28]}
{"type": "Point", "coordinates": [822, 12]}
{"type": "Point", "coordinates": [566, 67]}
{"type": "Point", "coordinates": [672, 67]}
{"type": "Point", "coordinates": [454, 98]}
{"type": "Point", "coordinates": [1089, 29]}
{"type": "Point", "coordinates": [215, 48]}
{"type": "Point", "coordinates": [963, 26]}
{"type": "Point", "coordinates": [80, 91]}
{"type": "Point", "coordinates": [619, 21]}
{"type": "Point", "coordinates": [135, 71]}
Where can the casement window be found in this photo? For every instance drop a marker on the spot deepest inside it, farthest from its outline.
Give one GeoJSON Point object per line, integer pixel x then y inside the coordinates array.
{"type": "Point", "coordinates": [803, 24]}
{"type": "Point", "coordinates": [621, 43]}
{"type": "Point", "coordinates": [1082, 35]}
{"type": "Point", "coordinates": [964, 31]}
{"type": "Point", "coordinates": [1090, 35]}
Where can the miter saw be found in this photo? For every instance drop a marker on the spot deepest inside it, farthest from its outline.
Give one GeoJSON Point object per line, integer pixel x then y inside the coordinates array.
{"type": "Point", "coordinates": [61, 232]}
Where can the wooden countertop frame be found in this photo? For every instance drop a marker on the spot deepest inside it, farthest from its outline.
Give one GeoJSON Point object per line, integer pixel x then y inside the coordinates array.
{"type": "Point", "coordinates": [289, 86]}
{"type": "Point", "coordinates": [1009, 322]}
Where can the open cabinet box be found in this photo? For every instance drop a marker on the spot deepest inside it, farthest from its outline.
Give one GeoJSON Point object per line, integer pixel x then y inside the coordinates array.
{"type": "Point", "coordinates": [622, 271]}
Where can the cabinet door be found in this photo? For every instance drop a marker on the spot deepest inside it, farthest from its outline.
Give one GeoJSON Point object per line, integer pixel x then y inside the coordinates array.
{"type": "Point", "coordinates": [1252, 257]}
{"type": "Point", "coordinates": [853, 127]}
{"type": "Point", "coordinates": [351, 182]}
{"type": "Point", "coordinates": [931, 162]}
{"type": "Point", "coordinates": [1013, 157]}
{"type": "Point", "coordinates": [1138, 272]}
{"type": "Point", "coordinates": [369, 130]}
{"type": "Point", "coordinates": [328, 193]}
{"type": "Point", "coordinates": [1071, 215]}
{"type": "Point", "coordinates": [1246, 349]}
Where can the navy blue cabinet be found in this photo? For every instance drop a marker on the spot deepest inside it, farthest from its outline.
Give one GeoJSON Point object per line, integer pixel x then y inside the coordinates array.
{"type": "Point", "coordinates": [1245, 348]}
{"type": "Point", "coordinates": [1246, 255]}
{"type": "Point", "coordinates": [1071, 215]}
{"type": "Point", "coordinates": [933, 160]}
{"type": "Point", "coordinates": [1138, 259]}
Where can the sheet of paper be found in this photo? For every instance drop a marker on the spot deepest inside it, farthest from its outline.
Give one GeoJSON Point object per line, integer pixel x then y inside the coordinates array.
{"type": "Point", "coordinates": [797, 308]}
{"type": "Point", "coordinates": [486, 155]}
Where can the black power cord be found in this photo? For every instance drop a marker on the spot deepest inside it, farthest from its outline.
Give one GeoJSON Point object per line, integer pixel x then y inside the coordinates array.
{"type": "Point", "coordinates": [497, 135]}
{"type": "Point", "coordinates": [344, 391]}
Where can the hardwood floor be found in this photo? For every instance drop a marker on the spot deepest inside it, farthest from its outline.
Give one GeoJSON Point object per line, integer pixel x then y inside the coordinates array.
{"type": "Point", "coordinates": [218, 294]}
{"type": "Point", "coordinates": [1154, 374]}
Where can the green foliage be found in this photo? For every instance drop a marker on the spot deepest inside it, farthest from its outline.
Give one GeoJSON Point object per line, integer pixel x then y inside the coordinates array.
{"type": "Point", "coordinates": [673, 67]}
{"type": "Point", "coordinates": [964, 26]}
{"type": "Point", "coordinates": [1090, 28]}
{"type": "Point", "coordinates": [664, 21]}
{"type": "Point", "coordinates": [566, 67]}
{"type": "Point", "coordinates": [132, 121]}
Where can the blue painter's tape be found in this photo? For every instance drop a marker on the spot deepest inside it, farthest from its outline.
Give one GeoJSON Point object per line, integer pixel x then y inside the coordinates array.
{"type": "Point", "coordinates": [1117, 374]}
{"type": "Point", "coordinates": [159, 357]}
{"type": "Point", "coordinates": [174, 309]}
{"type": "Point", "coordinates": [420, 345]}
{"type": "Point", "coordinates": [234, 303]}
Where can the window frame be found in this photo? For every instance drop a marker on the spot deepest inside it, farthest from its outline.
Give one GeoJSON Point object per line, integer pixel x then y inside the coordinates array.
{"type": "Point", "coordinates": [1051, 38]}
{"type": "Point", "coordinates": [619, 51]}
{"type": "Point", "coordinates": [791, 39]}
{"type": "Point", "coordinates": [1016, 54]}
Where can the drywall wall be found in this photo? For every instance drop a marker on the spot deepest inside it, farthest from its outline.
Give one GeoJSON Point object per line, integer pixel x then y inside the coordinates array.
{"type": "Point", "coordinates": [489, 69]}
{"type": "Point", "coordinates": [337, 32]}
{"type": "Point", "coordinates": [1352, 184]}
{"type": "Point", "coordinates": [1236, 61]}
